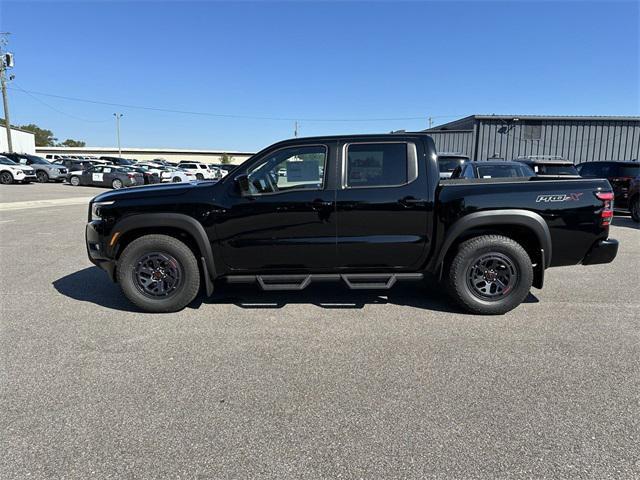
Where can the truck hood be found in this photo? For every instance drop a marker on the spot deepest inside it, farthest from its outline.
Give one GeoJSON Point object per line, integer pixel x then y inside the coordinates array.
{"type": "Point", "coordinates": [150, 191]}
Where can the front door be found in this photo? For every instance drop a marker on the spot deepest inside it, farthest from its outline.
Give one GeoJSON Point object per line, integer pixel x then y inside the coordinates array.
{"type": "Point", "coordinates": [383, 205]}
{"type": "Point", "coordinates": [286, 221]}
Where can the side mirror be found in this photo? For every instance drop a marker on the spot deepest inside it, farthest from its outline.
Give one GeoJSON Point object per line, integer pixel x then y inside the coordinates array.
{"type": "Point", "coordinates": [243, 183]}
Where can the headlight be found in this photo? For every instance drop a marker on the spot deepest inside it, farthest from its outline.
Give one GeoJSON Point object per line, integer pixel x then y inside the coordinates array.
{"type": "Point", "coordinates": [95, 209]}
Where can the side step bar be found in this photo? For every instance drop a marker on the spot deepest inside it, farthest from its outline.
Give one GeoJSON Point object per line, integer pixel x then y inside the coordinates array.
{"type": "Point", "coordinates": [355, 281]}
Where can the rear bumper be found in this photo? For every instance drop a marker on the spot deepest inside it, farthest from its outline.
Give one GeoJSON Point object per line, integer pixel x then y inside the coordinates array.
{"type": "Point", "coordinates": [603, 251]}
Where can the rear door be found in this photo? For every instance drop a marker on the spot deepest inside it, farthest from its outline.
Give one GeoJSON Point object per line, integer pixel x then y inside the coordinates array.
{"type": "Point", "coordinates": [97, 176]}
{"type": "Point", "coordinates": [382, 205]}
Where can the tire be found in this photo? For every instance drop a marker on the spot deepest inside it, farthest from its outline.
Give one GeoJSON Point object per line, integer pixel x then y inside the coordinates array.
{"type": "Point", "coordinates": [75, 181]}
{"type": "Point", "coordinates": [176, 180]}
{"type": "Point", "coordinates": [177, 257]}
{"type": "Point", "coordinates": [478, 268]}
{"type": "Point", "coordinates": [6, 178]}
{"type": "Point", "coordinates": [117, 184]}
{"type": "Point", "coordinates": [199, 176]}
{"type": "Point", "coordinates": [42, 176]}
{"type": "Point", "coordinates": [635, 209]}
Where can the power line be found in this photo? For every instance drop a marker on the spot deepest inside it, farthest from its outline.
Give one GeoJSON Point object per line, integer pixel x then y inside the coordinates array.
{"type": "Point", "coordinates": [20, 89]}
{"type": "Point", "coordinates": [225, 115]}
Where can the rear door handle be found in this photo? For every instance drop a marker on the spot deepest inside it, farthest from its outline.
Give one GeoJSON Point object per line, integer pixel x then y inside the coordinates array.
{"type": "Point", "coordinates": [410, 201]}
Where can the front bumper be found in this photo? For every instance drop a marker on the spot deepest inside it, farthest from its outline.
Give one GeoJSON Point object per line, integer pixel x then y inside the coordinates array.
{"type": "Point", "coordinates": [97, 249]}
{"type": "Point", "coordinates": [603, 251]}
{"type": "Point", "coordinates": [55, 175]}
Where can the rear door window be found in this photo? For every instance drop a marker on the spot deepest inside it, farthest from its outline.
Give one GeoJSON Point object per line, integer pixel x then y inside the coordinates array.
{"type": "Point", "coordinates": [380, 164]}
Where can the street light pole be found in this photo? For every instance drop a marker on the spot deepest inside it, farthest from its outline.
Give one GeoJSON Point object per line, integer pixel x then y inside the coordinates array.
{"type": "Point", "coordinates": [118, 117]}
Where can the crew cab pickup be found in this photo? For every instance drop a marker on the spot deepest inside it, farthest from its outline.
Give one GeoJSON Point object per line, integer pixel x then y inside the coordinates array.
{"type": "Point", "coordinates": [368, 210]}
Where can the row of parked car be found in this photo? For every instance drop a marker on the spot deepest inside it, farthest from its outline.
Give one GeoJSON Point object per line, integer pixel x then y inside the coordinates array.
{"type": "Point", "coordinates": [112, 172]}
{"type": "Point", "coordinates": [624, 176]}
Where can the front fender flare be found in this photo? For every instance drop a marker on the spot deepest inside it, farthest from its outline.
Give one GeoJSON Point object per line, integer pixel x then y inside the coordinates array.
{"type": "Point", "coordinates": [488, 218]}
{"type": "Point", "coordinates": [173, 220]}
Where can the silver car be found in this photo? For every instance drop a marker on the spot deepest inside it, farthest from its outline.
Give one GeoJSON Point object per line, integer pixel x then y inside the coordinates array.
{"type": "Point", "coordinates": [45, 171]}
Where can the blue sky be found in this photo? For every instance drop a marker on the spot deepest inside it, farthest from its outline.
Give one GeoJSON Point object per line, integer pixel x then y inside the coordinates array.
{"type": "Point", "coordinates": [312, 61]}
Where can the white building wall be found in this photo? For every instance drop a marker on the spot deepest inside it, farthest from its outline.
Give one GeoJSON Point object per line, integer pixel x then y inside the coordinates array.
{"type": "Point", "coordinates": [23, 142]}
{"type": "Point", "coordinates": [142, 154]}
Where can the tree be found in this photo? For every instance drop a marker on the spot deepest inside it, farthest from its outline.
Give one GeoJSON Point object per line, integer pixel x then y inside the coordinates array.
{"type": "Point", "coordinates": [225, 158]}
{"type": "Point", "coordinates": [72, 143]}
{"type": "Point", "coordinates": [44, 138]}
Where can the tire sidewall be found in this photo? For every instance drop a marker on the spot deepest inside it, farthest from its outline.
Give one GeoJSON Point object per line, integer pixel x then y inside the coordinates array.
{"type": "Point", "coordinates": [77, 179]}
{"type": "Point", "coordinates": [6, 178]}
{"type": "Point", "coordinates": [635, 209]}
{"type": "Point", "coordinates": [516, 254]}
{"type": "Point", "coordinates": [188, 288]}
{"type": "Point", "coordinates": [42, 176]}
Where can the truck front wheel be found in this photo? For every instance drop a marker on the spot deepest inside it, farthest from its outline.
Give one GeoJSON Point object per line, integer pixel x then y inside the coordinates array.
{"type": "Point", "coordinates": [158, 273]}
{"type": "Point", "coordinates": [490, 275]}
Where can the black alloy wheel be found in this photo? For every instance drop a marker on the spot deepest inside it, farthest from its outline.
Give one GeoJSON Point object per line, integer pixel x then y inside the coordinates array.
{"type": "Point", "coordinates": [157, 275]}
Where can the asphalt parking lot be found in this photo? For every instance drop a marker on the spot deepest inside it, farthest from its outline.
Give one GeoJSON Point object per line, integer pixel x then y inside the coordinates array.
{"type": "Point", "coordinates": [325, 383]}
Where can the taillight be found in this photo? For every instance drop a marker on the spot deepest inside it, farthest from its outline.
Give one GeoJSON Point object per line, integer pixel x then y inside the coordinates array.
{"type": "Point", "coordinates": [131, 175]}
{"type": "Point", "coordinates": [606, 215]}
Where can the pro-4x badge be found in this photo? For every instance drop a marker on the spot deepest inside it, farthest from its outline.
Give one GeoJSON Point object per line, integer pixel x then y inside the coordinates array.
{"type": "Point", "coordinates": [565, 197]}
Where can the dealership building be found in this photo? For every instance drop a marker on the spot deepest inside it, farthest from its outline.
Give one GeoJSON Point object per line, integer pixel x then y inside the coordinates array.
{"type": "Point", "coordinates": [507, 137]}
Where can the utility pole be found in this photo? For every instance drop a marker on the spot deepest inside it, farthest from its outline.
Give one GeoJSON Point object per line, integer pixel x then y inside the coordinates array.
{"type": "Point", "coordinates": [295, 129]}
{"type": "Point", "coordinates": [430, 122]}
{"type": "Point", "coordinates": [118, 117]}
{"type": "Point", "coordinates": [6, 61]}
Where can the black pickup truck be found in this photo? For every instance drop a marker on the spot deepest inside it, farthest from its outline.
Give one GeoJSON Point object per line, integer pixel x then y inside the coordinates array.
{"type": "Point", "coordinates": [366, 209]}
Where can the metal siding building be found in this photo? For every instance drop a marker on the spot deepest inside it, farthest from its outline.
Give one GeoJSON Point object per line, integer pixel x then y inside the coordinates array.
{"type": "Point", "coordinates": [507, 137]}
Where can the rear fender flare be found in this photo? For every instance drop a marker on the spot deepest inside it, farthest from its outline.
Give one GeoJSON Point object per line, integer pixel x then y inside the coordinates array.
{"type": "Point", "coordinates": [489, 218]}
{"type": "Point", "coordinates": [172, 220]}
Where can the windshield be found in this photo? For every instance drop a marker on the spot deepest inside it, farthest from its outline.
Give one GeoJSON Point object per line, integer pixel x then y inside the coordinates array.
{"type": "Point", "coordinates": [502, 171]}
{"type": "Point", "coordinates": [449, 164]}
{"type": "Point", "coordinates": [629, 170]}
{"type": "Point", "coordinates": [557, 170]}
{"type": "Point", "coordinates": [6, 161]}
{"type": "Point", "coordinates": [36, 159]}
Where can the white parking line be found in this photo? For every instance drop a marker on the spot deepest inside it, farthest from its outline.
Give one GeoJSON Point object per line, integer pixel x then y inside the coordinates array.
{"type": "Point", "coordinates": [59, 202]}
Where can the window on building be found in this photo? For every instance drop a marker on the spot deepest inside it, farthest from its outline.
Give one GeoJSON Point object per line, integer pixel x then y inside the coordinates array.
{"type": "Point", "coordinates": [532, 132]}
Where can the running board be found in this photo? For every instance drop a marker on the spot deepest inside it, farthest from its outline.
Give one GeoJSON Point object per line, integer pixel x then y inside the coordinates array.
{"type": "Point", "coordinates": [355, 281]}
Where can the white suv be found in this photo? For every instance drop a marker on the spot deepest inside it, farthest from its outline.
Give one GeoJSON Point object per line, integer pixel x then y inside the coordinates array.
{"type": "Point", "coordinates": [11, 172]}
{"type": "Point", "coordinates": [200, 170]}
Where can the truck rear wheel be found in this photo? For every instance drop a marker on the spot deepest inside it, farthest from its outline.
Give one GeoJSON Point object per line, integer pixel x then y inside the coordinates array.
{"type": "Point", "coordinates": [490, 275]}
{"type": "Point", "coordinates": [159, 274]}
